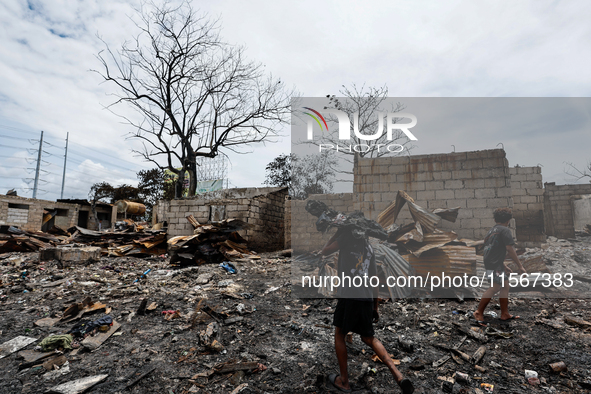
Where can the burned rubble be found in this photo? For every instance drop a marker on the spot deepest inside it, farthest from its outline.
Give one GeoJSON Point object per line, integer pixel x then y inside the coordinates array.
{"type": "Point", "coordinates": [120, 323]}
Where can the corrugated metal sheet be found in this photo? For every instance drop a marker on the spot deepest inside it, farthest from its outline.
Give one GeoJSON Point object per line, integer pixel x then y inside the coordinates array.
{"type": "Point", "coordinates": [430, 241]}
{"type": "Point", "coordinates": [393, 265]}
{"type": "Point", "coordinates": [450, 214]}
{"type": "Point", "coordinates": [419, 214]}
{"type": "Point", "coordinates": [451, 260]}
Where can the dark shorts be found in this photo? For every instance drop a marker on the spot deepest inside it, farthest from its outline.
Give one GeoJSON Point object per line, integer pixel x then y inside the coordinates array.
{"type": "Point", "coordinates": [498, 277]}
{"type": "Point", "coordinates": [354, 316]}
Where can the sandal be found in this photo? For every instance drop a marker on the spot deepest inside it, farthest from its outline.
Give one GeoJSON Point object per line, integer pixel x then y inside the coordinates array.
{"type": "Point", "coordinates": [476, 322]}
{"type": "Point", "coordinates": [331, 378]}
{"type": "Point", "coordinates": [511, 318]}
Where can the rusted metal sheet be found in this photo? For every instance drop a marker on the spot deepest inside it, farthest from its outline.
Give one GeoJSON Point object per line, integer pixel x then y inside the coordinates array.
{"type": "Point", "coordinates": [130, 207]}
{"type": "Point", "coordinates": [450, 214]}
{"type": "Point", "coordinates": [451, 260]}
{"type": "Point", "coordinates": [419, 214]}
{"type": "Point", "coordinates": [393, 265]}
{"type": "Point", "coordinates": [430, 241]}
{"type": "Point", "coordinates": [388, 216]}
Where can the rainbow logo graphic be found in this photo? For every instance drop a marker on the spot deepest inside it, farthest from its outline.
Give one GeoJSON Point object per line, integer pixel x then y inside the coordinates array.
{"type": "Point", "coordinates": [315, 118]}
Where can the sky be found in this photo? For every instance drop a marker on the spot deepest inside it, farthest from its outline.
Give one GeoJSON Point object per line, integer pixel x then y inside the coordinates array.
{"type": "Point", "coordinates": [417, 49]}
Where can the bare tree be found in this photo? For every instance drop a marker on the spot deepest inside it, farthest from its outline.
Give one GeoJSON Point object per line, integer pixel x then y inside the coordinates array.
{"type": "Point", "coordinates": [367, 103]}
{"type": "Point", "coordinates": [577, 174]}
{"type": "Point", "coordinates": [195, 94]}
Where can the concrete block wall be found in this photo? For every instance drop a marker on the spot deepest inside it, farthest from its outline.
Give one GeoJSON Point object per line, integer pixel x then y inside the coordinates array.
{"type": "Point", "coordinates": [264, 208]}
{"type": "Point", "coordinates": [267, 214]}
{"type": "Point", "coordinates": [287, 225]}
{"type": "Point", "coordinates": [477, 182]}
{"type": "Point", "coordinates": [527, 191]}
{"type": "Point", "coordinates": [558, 212]}
{"type": "Point", "coordinates": [31, 219]}
{"type": "Point", "coordinates": [304, 236]}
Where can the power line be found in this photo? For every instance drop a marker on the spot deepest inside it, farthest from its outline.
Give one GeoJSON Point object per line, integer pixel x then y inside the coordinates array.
{"type": "Point", "coordinates": [13, 138]}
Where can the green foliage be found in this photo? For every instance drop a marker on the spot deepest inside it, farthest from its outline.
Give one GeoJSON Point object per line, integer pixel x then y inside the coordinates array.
{"type": "Point", "coordinates": [312, 174]}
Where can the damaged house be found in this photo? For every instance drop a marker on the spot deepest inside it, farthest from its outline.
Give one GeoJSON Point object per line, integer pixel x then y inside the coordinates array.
{"type": "Point", "coordinates": [41, 215]}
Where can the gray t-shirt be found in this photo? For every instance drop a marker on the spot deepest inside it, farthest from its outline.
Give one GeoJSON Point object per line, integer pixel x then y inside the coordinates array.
{"type": "Point", "coordinates": [356, 259]}
{"type": "Point", "coordinates": [495, 247]}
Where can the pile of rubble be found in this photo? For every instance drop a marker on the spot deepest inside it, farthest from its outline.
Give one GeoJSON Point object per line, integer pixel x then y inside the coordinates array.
{"type": "Point", "coordinates": [132, 240]}
{"type": "Point", "coordinates": [204, 330]}
{"type": "Point", "coordinates": [210, 243]}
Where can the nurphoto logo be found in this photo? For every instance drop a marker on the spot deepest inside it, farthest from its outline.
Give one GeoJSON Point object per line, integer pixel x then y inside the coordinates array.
{"type": "Point", "coordinates": [345, 130]}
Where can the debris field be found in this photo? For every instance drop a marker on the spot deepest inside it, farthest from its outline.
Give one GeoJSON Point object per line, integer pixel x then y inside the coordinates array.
{"type": "Point", "coordinates": [203, 329]}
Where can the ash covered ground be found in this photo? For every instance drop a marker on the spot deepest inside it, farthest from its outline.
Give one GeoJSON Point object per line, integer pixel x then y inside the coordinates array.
{"type": "Point", "coordinates": [270, 342]}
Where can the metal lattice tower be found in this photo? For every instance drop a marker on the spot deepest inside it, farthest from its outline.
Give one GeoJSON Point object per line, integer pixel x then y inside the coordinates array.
{"type": "Point", "coordinates": [209, 169]}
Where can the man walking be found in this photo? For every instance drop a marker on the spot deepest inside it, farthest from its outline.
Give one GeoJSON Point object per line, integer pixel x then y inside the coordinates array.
{"type": "Point", "coordinates": [497, 244]}
{"type": "Point", "coordinates": [357, 307]}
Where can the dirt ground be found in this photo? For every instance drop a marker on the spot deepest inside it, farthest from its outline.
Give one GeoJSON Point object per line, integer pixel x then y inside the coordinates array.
{"type": "Point", "coordinates": [291, 338]}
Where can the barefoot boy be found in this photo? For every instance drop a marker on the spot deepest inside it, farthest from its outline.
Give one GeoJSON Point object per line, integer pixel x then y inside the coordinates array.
{"type": "Point", "coordinates": [497, 244]}
{"type": "Point", "coordinates": [357, 306]}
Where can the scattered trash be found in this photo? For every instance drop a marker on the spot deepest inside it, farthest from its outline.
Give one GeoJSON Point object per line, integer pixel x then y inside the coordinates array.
{"type": "Point", "coordinates": [530, 374]}
{"type": "Point", "coordinates": [228, 266]}
{"type": "Point", "coordinates": [142, 276]}
{"type": "Point", "coordinates": [462, 377]}
{"type": "Point", "coordinates": [53, 342]}
{"type": "Point", "coordinates": [558, 367]}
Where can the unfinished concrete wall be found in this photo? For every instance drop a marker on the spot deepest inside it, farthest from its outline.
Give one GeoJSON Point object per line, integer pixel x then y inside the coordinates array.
{"type": "Point", "coordinates": [527, 191]}
{"type": "Point", "coordinates": [558, 210]}
{"type": "Point", "coordinates": [264, 208]}
{"type": "Point", "coordinates": [582, 212]}
{"type": "Point", "coordinates": [477, 182]}
{"type": "Point", "coordinates": [27, 213]}
{"type": "Point", "coordinates": [304, 236]}
{"type": "Point", "coordinates": [287, 225]}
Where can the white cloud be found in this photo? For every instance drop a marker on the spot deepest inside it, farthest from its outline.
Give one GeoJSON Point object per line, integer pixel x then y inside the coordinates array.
{"type": "Point", "coordinates": [457, 48]}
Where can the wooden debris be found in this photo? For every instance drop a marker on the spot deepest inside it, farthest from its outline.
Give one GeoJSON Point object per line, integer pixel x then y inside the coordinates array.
{"type": "Point", "coordinates": [32, 357]}
{"type": "Point", "coordinates": [9, 347]}
{"type": "Point", "coordinates": [141, 310]}
{"type": "Point", "coordinates": [210, 243]}
{"type": "Point", "coordinates": [233, 367]}
{"type": "Point", "coordinates": [376, 359]}
{"type": "Point", "coordinates": [239, 388]}
{"type": "Point", "coordinates": [478, 354]}
{"type": "Point", "coordinates": [56, 361]}
{"type": "Point", "coordinates": [140, 375]}
{"type": "Point", "coordinates": [47, 322]}
{"type": "Point", "coordinates": [575, 321]}
{"type": "Point", "coordinates": [77, 386]}
{"type": "Point", "coordinates": [470, 333]}
{"type": "Point", "coordinates": [441, 361]}
{"type": "Point", "coordinates": [233, 320]}
{"type": "Point", "coordinates": [93, 343]}
{"type": "Point", "coordinates": [152, 306]}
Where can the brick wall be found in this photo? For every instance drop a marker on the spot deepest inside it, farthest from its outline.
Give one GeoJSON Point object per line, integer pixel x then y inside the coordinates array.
{"type": "Point", "coordinates": [304, 236]}
{"type": "Point", "coordinates": [528, 205]}
{"type": "Point", "coordinates": [477, 182]}
{"type": "Point", "coordinates": [558, 212]}
{"type": "Point", "coordinates": [264, 208]}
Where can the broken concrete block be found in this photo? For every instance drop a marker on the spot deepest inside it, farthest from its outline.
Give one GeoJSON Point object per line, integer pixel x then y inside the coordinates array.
{"type": "Point", "coordinates": [78, 386]}
{"type": "Point", "coordinates": [71, 255]}
{"type": "Point", "coordinates": [15, 344]}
